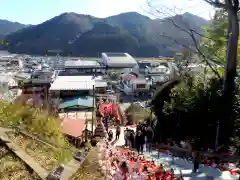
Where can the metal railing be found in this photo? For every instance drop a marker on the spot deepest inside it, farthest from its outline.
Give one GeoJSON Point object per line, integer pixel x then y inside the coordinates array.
{"type": "Point", "coordinates": [185, 153]}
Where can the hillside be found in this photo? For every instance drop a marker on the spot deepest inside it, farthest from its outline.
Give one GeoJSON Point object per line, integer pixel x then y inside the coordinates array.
{"type": "Point", "coordinates": [84, 35]}
{"type": "Point", "coordinates": [7, 27]}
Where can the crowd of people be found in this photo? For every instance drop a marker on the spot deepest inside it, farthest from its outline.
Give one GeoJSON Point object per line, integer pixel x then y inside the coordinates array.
{"type": "Point", "coordinates": [143, 136]}
{"type": "Point", "coordinates": [124, 164]}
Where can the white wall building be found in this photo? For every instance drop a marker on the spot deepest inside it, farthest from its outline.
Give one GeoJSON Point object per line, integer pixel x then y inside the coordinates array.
{"type": "Point", "coordinates": [134, 85]}
{"type": "Point", "coordinates": [117, 60]}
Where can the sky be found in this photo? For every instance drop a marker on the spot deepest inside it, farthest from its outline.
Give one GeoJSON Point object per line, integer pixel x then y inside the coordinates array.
{"type": "Point", "coordinates": [38, 11]}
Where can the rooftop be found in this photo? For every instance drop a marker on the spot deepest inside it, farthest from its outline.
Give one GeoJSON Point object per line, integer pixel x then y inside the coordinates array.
{"type": "Point", "coordinates": [81, 64]}
{"type": "Point", "coordinates": [77, 83]}
{"type": "Point", "coordinates": [140, 80]}
{"type": "Point", "coordinates": [72, 127]}
{"type": "Point", "coordinates": [79, 101]}
{"type": "Point", "coordinates": [118, 60]}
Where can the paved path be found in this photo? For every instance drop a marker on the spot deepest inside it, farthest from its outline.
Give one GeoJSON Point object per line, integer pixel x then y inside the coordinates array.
{"type": "Point", "coordinates": [70, 169]}
{"type": "Point", "coordinates": [121, 140]}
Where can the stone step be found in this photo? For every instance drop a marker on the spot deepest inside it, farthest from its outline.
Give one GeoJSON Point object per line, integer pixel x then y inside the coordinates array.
{"type": "Point", "coordinates": [41, 172]}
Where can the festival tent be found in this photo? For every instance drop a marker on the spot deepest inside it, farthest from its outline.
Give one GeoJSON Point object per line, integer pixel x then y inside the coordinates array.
{"type": "Point", "coordinates": [110, 109]}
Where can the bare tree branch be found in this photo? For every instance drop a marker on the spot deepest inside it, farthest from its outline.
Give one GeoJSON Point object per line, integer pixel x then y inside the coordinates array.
{"type": "Point", "coordinates": [217, 4]}
{"type": "Point", "coordinates": [197, 51]}
{"type": "Point", "coordinates": [167, 13]}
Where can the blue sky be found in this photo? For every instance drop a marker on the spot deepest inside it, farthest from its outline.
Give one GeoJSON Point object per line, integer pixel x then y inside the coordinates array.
{"type": "Point", "coordinates": [37, 11]}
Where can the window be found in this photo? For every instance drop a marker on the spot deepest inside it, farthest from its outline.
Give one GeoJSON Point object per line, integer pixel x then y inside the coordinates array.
{"type": "Point", "coordinates": [141, 86]}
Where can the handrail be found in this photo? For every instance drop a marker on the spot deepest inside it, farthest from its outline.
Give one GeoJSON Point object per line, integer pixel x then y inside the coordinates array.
{"type": "Point", "coordinates": [231, 158]}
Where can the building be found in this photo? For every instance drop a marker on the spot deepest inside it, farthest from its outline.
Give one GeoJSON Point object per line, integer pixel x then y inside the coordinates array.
{"type": "Point", "coordinates": [156, 72]}
{"type": "Point", "coordinates": [65, 86]}
{"type": "Point", "coordinates": [132, 83]}
{"type": "Point", "coordinates": [6, 82]}
{"type": "Point", "coordinates": [141, 67]}
{"type": "Point", "coordinates": [117, 60]}
{"type": "Point", "coordinates": [81, 64]}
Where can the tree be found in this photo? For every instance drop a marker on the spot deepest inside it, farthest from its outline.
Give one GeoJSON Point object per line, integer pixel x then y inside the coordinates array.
{"type": "Point", "coordinates": [180, 23]}
{"type": "Point", "coordinates": [214, 47]}
{"type": "Point", "coordinates": [218, 38]}
{"type": "Point", "coordinates": [231, 7]}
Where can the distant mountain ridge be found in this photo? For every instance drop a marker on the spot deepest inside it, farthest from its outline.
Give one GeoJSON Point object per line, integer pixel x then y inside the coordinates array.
{"type": "Point", "coordinates": [85, 35]}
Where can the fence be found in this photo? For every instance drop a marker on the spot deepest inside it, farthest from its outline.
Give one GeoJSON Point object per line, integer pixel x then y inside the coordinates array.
{"type": "Point", "coordinates": [180, 152]}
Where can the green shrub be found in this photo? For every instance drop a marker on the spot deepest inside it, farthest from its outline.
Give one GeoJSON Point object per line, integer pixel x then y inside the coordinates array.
{"type": "Point", "coordinates": [193, 111]}
{"type": "Point", "coordinates": [135, 114]}
{"type": "Point", "coordinates": [34, 121]}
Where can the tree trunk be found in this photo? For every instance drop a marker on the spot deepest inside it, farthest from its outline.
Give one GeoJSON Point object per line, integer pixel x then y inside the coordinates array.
{"type": "Point", "coordinates": [231, 56]}
{"type": "Point", "coordinates": [229, 76]}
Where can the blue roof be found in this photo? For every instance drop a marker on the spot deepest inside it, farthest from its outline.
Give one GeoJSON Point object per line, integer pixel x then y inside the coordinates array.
{"type": "Point", "coordinates": [80, 101]}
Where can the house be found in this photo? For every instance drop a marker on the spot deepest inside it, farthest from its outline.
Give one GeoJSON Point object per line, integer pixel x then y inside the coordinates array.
{"type": "Point", "coordinates": [132, 83]}
{"type": "Point", "coordinates": [117, 60]}
{"type": "Point", "coordinates": [81, 64]}
{"type": "Point", "coordinates": [67, 86]}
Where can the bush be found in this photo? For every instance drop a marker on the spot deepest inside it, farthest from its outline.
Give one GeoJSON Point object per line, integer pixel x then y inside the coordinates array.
{"type": "Point", "coordinates": [193, 111]}
{"type": "Point", "coordinates": [136, 114]}
{"type": "Point", "coordinates": [32, 120]}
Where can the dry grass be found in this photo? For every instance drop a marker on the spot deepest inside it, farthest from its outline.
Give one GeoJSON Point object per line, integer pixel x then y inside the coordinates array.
{"type": "Point", "coordinates": [46, 156]}
{"type": "Point", "coordinates": [13, 168]}
{"type": "Point", "coordinates": [90, 169]}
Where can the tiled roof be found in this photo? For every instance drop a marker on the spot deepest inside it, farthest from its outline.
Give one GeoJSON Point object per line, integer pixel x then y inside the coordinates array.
{"type": "Point", "coordinates": [72, 127]}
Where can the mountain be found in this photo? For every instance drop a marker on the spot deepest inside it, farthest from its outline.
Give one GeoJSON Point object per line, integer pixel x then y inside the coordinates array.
{"type": "Point", "coordinates": [85, 35]}
{"type": "Point", "coordinates": [7, 27]}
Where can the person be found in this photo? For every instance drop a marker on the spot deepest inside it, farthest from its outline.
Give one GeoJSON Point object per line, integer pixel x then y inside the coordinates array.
{"type": "Point", "coordinates": [118, 131]}
{"type": "Point", "coordinates": [126, 136]}
{"type": "Point", "coordinates": [142, 140]}
{"type": "Point", "coordinates": [131, 138]}
{"type": "Point", "coordinates": [196, 159]}
{"type": "Point", "coordinates": [149, 135]}
{"type": "Point", "coordinates": [124, 170]}
{"type": "Point", "coordinates": [110, 135]}
{"type": "Point", "coordinates": [139, 142]}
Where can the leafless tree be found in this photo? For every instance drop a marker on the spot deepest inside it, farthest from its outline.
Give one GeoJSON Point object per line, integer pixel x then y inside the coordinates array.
{"type": "Point", "coordinates": [232, 8]}
{"type": "Point", "coordinates": [165, 13]}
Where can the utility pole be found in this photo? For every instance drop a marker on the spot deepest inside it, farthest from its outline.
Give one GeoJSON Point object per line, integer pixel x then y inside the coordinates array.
{"type": "Point", "coordinates": [93, 89]}
{"type": "Point", "coordinates": [217, 135]}
{"type": "Point", "coordinates": [132, 93]}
